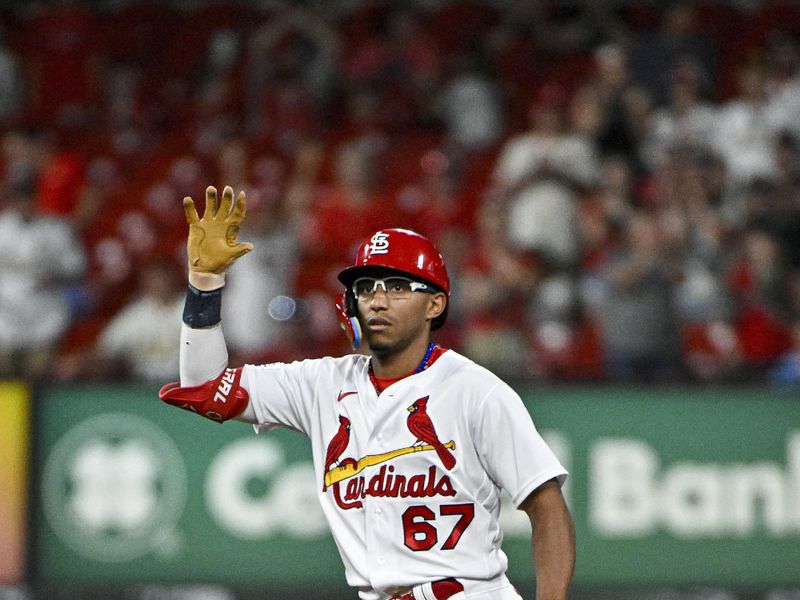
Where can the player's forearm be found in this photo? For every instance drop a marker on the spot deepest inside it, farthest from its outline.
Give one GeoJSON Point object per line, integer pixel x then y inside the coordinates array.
{"type": "Point", "coordinates": [554, 555]}
{"type": "Point", "coordinates": [203, 354]}
{"type": "Point", "coordinates": [207, 387]}
{"type": "Point", "coordinates": [553, 546]}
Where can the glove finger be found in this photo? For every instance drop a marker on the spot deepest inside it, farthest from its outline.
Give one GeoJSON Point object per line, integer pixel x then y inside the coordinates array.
{"type": "Point", "coordinates": [227, 202]}
{"type": "Point", "coordinates": [211, 203]}
{"type": "Point", "coordinates": [239, 209]}
{"type": "Point", "coordinates": [190, 210]}
{"type": "Point", "coordinates": [241, 249]}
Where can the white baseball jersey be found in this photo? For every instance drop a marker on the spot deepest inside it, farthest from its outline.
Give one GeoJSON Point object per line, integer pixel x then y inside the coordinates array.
{"type": "Point", "coordinates": [412, 492]}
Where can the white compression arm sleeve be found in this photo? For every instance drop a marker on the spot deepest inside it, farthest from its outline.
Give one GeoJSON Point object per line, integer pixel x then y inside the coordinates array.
{"type": "Point", "coordinates": [204, 356]}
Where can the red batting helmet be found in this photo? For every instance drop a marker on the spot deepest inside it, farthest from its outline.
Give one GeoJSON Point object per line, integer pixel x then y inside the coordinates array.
{"type": "Point", "coordinates": [400, 250]}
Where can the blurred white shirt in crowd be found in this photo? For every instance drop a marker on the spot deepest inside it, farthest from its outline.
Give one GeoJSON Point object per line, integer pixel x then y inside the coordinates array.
{"type": "Point", "coordinates": [146, 334]}
{"type": "Point", "coordinates": [39, 255]}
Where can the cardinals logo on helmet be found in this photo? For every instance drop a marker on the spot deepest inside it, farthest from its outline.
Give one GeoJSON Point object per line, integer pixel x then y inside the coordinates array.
{"type": "Point", "coordinates": [379, 243]}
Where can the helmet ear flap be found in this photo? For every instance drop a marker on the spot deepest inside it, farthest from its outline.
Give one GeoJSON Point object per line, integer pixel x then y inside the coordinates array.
{"type": "Point", "coordinates": [345, 311]}
{"type": "Point", "coordinates": [350, 304]}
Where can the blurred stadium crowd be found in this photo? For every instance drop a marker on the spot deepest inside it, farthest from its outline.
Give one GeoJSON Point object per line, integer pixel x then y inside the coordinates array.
{"type": "Point", "coordinates": [615, 185]}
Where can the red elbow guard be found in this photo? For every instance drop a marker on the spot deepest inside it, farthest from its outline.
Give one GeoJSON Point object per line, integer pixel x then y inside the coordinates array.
{"type": "Point", "coordinates": [219, 400]}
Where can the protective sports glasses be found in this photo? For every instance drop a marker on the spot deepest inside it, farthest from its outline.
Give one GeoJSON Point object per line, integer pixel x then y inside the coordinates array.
{"type": "Point", "coordinates": [396, 288]}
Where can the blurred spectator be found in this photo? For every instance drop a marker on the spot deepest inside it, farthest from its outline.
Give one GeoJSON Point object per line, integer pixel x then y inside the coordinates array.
{"type": "Point", "coordinates": [787, 159]}
{"type": "Point", "coordinates": [470, 105]}
{"type": "Point", "coordinates": [259, 290]}
{"type": "Point", "coordinates": [618, 104]}
{"type": "Point", "coordinates": [62, 45]}
{"type": "Point", "coordinates": [597, 233]}
{"type": "Point", "coordinates": [20, 158]}
{"type": "Point", "coordinates": [679, 39]}
{"type": "Point", "coordinates": [342, 215]}
{"type": "Point", "coordinates": [140, 341]}
{"type": "Point", "coordinates": [542, 219]}
{"type": "Point", "coordinates": [12, 86]}
{"type": "Point", "coordinates": [761, 288]}
{"type": "Point", "coordinates": [783, 83]}
{"type": "Point", "coordinates": [58, 172]}
{"type": "Point", "coordinates": [686, 121]}
{"type": "Point", "coordinates": [514, 52]}
{"type": "Point", "coordinates": [786, 371]}
{"type": "Point", "coordinates": [61, 186]}
{"type": "Point", "coordinates": [217, 96]}
{"type": "Point", "coordinates": [365, 119]}
{"type": "Point", "coordinates": [534, 42]}
{"type": "Point", "coordinates": [291, 62]}
{"type": "Point", "coordinates": [586, 112]}
{"type": "Point", "coordinates": [497, 283]}
{"type": "Point", "coordinates": [776, 207]}
{"type": "Point", "coordinates": [745, 132]}
{"type": "Point", "coordinates": [287, 117]}
{"type": "Point", "coordinates": [616, 192]}
{"type": "Point", "coordinates": [233, 164]}
{"type": "Point", "coordinates": [435, 205]}
{"type": "Point", "coordinates": [297, 43]}
{"type": "Point", "coordinates": [547, 147]}
{"type": "Point", "coordinates": [693, 234]}
{"type": "Point", "coordinates": [632, 299]}
{"type": "Point", "coordinates": [536, 178]}
{"type": "Point", "coordinates": [130, 116]}
{"type": "Point", "coordinates": [564, 336]}
{"type": "Point", "coordinates": [41, 260]}
{"type": "Point", "coordinates": [567, 29]}
{"type": "Point", "coordinates": [432, 205]}
{"type": "Point", "coordinates": [398, 52]}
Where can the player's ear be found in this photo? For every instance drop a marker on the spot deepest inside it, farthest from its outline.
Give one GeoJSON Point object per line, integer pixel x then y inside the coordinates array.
{"type": "Point", "coordinates": [436, 304]}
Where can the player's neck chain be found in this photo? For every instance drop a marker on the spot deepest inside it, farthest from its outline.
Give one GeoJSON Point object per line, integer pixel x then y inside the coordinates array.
{"type": "Point", "coordinates": [424, 363]}
{"type": "Point", "coordinates": [381, 384]}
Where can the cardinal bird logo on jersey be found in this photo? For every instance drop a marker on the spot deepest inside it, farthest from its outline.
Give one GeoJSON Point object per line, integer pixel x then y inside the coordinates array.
{"type": "Point", "coordinates": [337, 445]}
{"type": "Point", "coordinates": [420, 424]}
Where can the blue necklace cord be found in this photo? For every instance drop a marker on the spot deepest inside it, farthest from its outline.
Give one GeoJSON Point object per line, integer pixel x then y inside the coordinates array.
{"type": "Point", "coordinates": [423, 365]}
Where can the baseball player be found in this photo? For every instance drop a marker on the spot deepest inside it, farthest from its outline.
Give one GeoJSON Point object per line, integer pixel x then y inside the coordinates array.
{"type": "Point", "coordinates": [411, 443]}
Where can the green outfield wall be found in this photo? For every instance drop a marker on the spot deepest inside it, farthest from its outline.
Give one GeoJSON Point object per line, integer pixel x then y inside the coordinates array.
{"type": "Point", "coordinates": [666, 488]}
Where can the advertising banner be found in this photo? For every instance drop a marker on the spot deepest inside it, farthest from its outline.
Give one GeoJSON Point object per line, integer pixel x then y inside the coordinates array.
{"type": "Point", "coordinates": [679, 487]}
{"type": "Point", "coordinates": [14, 450]}
{"type": "Point", "coordinates": [666, 487]}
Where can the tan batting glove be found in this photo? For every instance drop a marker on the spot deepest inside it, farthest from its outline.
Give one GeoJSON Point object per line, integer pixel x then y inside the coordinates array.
{"type": "Point", "coordinates": [212, 246]}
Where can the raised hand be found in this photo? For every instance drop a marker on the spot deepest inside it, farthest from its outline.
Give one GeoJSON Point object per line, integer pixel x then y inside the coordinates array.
{"type": "Point", "coordinates": [212, 245]}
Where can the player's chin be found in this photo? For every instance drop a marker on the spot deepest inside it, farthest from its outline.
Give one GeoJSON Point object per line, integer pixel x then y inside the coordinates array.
{"type": "Point", "coordinates": [379, 346]}
{"type": "Point", "coordinates": [379, 342]}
